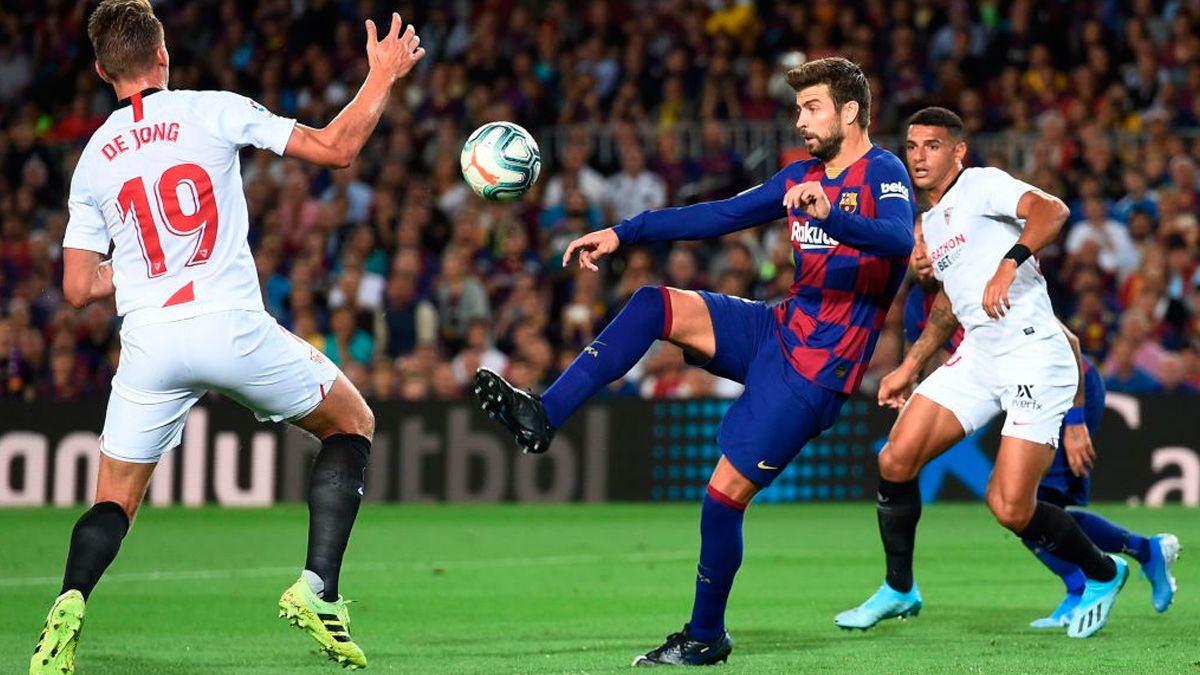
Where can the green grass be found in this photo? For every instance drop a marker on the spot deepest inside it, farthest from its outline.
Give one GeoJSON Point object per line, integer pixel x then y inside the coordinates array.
{"type": "Point", "coordinates": [578, 589]}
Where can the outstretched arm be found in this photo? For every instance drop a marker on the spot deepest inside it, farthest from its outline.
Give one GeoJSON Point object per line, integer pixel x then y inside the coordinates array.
{"type": "Point", "coordinates": [698, 221]}
{"type": "Point", "coordinates": [707, 220]}
{"type": "Point", "coordinates": [339, 142]}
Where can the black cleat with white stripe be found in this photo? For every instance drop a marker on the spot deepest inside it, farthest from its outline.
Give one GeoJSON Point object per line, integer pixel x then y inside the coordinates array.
{"type": "Point", "coordinates": [519, 411]}
{"type": "Point", "coordinates": [681, 649]}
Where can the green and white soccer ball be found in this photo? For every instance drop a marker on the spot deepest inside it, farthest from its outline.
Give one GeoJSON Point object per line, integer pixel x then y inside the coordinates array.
{"type": "Point", "coordinates": [500, 161]}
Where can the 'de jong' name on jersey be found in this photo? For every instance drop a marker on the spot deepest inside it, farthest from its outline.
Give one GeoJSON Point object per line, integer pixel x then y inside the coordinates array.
{"type": "Point", "coordinates": [160, 182]}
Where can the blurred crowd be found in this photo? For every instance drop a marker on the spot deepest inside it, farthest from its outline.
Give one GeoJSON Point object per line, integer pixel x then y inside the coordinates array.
{"type": "Point", "coordinates": [409, 282]}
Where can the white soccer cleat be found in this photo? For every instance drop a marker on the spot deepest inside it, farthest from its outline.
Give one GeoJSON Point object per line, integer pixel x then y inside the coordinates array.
{"type": "Point", "coordinates": [885, 603]}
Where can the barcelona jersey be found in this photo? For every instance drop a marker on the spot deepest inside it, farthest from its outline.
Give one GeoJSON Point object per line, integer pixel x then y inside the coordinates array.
{"type": "Point", "coordinates": [849, 265]}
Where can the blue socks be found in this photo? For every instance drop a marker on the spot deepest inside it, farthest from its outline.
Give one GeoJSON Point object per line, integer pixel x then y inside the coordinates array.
{"type": "Point", "coordinates": [1072, 577]}
{"type": "Point", "coordinates": [720, 558]}
{"type": "Point", "coordinates": [1112, 538]}
{"type": "Point", "coordinates": [644, 319]}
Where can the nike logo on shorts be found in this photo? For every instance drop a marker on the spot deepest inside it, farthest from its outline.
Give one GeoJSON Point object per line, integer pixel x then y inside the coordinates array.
{"type": "Point", "coordinates": [766, 467]}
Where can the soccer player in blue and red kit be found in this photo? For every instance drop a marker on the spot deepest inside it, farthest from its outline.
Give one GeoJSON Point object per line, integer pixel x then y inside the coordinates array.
{"type": "Point", "coordinates": [1068, 482]}
{"type": "Point", "coordinates": [850, 215]}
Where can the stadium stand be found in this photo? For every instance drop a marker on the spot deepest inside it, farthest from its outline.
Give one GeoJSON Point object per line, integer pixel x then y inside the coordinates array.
{"type": "Point", "coordinates": [407, 281]}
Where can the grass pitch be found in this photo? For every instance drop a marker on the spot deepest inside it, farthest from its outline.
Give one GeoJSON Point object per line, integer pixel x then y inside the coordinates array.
{"type": "Point", "coordinates": [579, 589]}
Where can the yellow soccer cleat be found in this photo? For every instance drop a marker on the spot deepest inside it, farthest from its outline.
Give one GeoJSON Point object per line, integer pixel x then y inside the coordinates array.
{"type": "Point", "coordinates": [55, 652]}
{"type": "Point", "coordinates": [326, 622]}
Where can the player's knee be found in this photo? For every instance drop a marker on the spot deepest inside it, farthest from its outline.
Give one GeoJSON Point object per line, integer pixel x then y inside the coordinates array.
{"type": "Point", "coordinates": [655, 295]}
{"type": "Point", "coordinates": [731, 484]}
{"type": "Point", "coordinates": [359, 420]}
{"type": "Point", "coordinates": [1013, 515]}
{"type": "Point", "coordinates": [366, 422]}
{"type": "Point", "coordinates": [897, 464]}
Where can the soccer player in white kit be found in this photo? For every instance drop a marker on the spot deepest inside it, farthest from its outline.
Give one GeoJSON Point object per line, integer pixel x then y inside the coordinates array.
{"type": "Point", "coordinates": [1014, 358]}
{"type": "Point", "coordinates": [160, 183]}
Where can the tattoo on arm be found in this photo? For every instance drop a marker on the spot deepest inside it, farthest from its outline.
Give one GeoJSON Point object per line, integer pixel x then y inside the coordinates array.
{"type": "Point", "coordinates": [938, 328]}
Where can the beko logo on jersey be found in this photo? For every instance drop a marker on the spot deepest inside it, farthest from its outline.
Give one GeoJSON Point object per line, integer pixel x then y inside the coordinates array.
{"type": "Point", "coordinates": [895, 189]}
{"type": "Point", "coordinates": [810, 236]}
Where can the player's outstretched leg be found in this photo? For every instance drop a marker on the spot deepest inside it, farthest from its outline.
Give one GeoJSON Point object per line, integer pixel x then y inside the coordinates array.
{"type": "Point", "coordinates": [345, 426]}
{"type": "Point", "coordinates": [532, 419]}
{"type": "Point", "coordinates": [1072, 577]}
{"type": "Point", "coordinates": [704, 640]}
{"type": "Point", "coordinates": [1156, 554]}
{"type": "Point", "coordinates": [521, 412]}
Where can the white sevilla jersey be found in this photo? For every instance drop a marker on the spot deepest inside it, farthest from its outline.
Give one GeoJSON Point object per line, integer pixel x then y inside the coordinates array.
{"type": "Point", "coordinates": [967, 234]}
{"type": "Point", "coordinates": [161, 181]}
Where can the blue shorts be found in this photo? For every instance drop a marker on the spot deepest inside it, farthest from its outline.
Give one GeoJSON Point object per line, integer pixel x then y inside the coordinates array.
{"type": "Point", "coordinates": [1059, 482]}
{"type": "Point", "coordinates": [780, 410]}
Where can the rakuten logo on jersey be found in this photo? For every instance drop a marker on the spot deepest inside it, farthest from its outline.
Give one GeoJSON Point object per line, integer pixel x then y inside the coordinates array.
{"type": "Point", "coordinates": [895, 189]}
{"type": "Point", "coordinates": [810, 236]}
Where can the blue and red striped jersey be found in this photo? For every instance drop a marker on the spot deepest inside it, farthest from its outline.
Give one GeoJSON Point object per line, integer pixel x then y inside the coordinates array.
{"type": "Point", "coordinates": [848, 266]}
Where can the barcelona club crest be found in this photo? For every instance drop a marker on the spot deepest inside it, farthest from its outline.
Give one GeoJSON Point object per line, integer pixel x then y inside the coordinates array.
{"type": "Point", "coordinates": [849, 201]}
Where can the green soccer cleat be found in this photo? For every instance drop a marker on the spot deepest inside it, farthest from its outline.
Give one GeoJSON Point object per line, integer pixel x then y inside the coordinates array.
{"type": "Point", "coordinates": [55, 651]}
{"type": "Point", "coordinates": [326, 622]}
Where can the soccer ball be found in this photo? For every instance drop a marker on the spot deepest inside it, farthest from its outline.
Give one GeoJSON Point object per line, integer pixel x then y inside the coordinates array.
{"type": "Point", "coordinates": [500, 161]}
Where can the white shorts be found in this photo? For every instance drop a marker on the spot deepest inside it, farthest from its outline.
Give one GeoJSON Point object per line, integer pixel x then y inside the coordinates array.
{"type": "Point", "coordinates": [166, 367]}
{"type": "Point", "coordinates": [972, 387]}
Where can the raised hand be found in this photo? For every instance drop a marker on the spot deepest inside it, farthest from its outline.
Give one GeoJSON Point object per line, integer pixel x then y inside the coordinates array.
{"type": "Point", "coordinates": [592, 247]}
{"type": "Point", "coordinates": [395, 54]}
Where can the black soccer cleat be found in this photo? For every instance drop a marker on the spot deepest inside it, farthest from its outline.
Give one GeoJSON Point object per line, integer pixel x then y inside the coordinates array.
{"type": "Point", "coordinates": [519, 411]}
{"type": "Point", "coordinates": [681, 650]}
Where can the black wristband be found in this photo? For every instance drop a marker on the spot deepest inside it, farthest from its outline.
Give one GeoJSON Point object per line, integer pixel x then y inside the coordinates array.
{"type": "Point", "coordinates": [1019, 253]}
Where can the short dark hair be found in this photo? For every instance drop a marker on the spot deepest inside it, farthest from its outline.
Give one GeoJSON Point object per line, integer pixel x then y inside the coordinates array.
{"type": "Point", "coordinates": [937, 116]}
{"type": "Point", "coordinates": [845, 79]}
{"type": "Point", "coordinates": [125, 35]}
